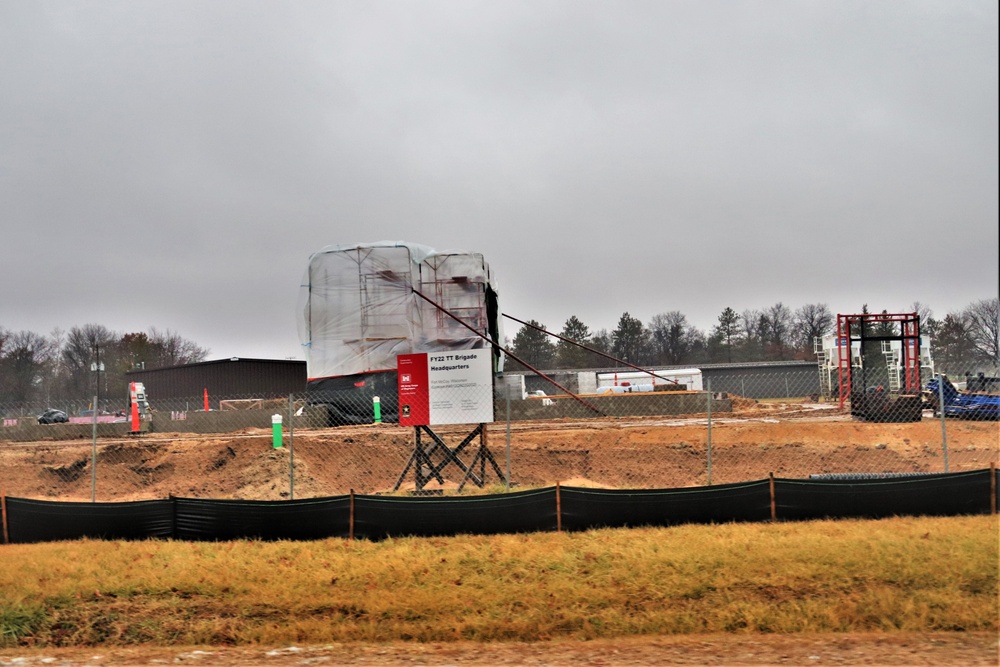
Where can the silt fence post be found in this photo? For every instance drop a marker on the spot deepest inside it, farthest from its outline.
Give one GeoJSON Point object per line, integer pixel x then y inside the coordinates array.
{"type": "Point", "coordinates": [3, 511]}
{"type": "Point", "coordinates": [774, 504]}
{"type": "Point", "coordinates": [350, 520]}
{"type": "Point", "coordinates": [558, 509]}
{"type": "Point", "coordinates": [993, 488]}
{"type": "Point", "coordinates": [708, 392]}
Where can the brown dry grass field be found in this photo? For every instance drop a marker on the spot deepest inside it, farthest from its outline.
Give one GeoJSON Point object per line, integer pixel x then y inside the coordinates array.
{"type": "Point", "coordinates": [897, 591]}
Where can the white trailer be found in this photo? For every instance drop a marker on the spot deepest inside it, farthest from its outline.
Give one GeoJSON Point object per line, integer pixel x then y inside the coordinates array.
{"type": "Point", "coordinates": [689, 378]}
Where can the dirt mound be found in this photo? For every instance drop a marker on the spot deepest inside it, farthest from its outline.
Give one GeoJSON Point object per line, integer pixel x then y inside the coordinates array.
{"type": "Point", "coordinates": [617, 453]}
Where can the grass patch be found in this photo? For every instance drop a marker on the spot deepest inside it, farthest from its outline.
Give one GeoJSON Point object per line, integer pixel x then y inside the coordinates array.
{"type": "Point", "coordinates": [904, 574]}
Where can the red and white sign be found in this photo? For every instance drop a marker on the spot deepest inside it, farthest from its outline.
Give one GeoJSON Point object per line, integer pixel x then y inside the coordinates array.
{"type": "Point", "coordinates": [445, 388]}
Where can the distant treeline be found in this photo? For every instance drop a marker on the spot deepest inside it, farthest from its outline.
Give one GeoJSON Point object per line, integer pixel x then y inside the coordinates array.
{"type": "Point", "coordinates": [92, 360]}
{"type": "Point", "coordinates": [86, 361]}
{"type": "Point", "coordinates": [963, 341]}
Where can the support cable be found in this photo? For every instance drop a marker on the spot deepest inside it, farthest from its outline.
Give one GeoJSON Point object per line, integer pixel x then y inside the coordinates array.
{"type": "Point", "coordinates": [513, 356]}
{"type": "Point", "coordinates": [589, 349]}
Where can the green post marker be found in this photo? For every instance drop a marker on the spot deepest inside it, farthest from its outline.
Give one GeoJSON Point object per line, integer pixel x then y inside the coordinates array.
{"type": "Point", "coordinates": [276, 430]}
{"type": "Point", "coordinates": [377, 407]}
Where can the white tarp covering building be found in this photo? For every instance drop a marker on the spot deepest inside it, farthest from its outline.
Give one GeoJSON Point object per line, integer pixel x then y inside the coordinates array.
{"type": "Point", "coordinates": [359, 307]}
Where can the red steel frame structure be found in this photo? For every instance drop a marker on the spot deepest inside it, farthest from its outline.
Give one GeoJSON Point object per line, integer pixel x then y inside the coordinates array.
{"type": "Point", "coordinates": [853, 327]}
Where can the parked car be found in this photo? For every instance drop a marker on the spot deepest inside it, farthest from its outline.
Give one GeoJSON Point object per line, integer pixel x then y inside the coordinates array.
{"type": "Point", "coordinates": [52, 416]}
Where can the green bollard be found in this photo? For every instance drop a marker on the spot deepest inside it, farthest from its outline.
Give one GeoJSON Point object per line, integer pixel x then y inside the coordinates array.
{"type": "Point", "coordinates": [377, 407]}
{"type": "Point", "coordinates": [276, 430]}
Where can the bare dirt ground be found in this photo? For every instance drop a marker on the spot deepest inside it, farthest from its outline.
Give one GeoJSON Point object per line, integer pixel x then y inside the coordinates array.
{"type": "Point", "coordinates": [952, 649]}
{"type": "Point", "coordinates": [618, 453]}
{"type": "Point", "coordinates": [637, 453]}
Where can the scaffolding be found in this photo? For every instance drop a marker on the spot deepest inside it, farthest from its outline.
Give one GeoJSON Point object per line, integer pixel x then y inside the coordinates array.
{"type": "Point", "coordinates": [362, 306]}
{"type": "Point", "coordinates": [358, 306]}
{"type": "Point", "coordinates": [827, 358]}
{"type": "Point", "coordinates": [897, 336]}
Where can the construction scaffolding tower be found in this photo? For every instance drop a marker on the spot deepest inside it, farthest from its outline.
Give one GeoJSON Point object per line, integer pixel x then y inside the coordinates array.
{"type": "Point", "coordinates": [899, 401]}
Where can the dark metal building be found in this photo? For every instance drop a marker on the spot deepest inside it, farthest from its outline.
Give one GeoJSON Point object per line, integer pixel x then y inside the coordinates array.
{"type": "Point", "coordinates": [764, 379]}
{"type": "Point", "coordinates": [223, 379]}
{"type": "Point", "coordinates": [238, 378]}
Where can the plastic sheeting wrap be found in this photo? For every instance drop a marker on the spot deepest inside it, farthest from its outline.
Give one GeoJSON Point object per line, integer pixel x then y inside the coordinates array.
{"type": "Point", "coordinates": [358, 309]}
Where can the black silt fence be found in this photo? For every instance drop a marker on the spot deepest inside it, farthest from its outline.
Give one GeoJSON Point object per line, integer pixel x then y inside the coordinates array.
{"type": "Point", "coordinates": [311, 519]}
{"type": "Point", "coordinates": [583, 509]}
{"type": "Point", "coordinates": [559, 508]}
{"type": "Point", "coordinates": [926, 495]}
{"type": "Point", "coordinates": [379, 517]}
{"type": "Point", "coordinates": [49, 521]}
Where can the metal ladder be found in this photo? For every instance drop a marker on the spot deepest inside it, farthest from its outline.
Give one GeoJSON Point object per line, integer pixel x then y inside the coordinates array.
{"type": "Point", "coordinates": [825, 367]}
{"type": "Point", "coordinates": [892, 362]}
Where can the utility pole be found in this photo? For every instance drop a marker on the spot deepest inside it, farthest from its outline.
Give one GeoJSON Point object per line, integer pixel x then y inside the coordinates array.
{"type": "Point", "coordinates": [97, 368]}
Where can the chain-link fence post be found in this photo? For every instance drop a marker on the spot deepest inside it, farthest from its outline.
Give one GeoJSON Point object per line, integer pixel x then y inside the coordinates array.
{"type": "Point", "coordinates": [507, 475]}
{"type": "Point", "coordinates": [708, 393]}
{"type": "Point", "coordinates": [291, 447]}
{"type": "Point", "coordinates": [944, 429]}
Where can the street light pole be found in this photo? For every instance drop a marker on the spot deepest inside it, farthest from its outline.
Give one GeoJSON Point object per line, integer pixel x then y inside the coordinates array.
{"type": "Point", "coordinates": [97, 368]}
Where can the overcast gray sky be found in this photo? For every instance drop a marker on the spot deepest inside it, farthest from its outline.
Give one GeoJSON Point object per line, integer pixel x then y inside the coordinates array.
{"type": "Point", "coordinates": [174, 164]}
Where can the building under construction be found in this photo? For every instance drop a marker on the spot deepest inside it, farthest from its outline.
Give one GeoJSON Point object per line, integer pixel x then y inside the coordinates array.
{"type": "Point", "coordinates": [362, 305]}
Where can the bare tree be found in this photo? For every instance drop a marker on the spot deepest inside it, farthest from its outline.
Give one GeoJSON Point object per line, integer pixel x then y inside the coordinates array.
{"type": "Point", "coordinates": [778, 335]}
{"type": "Point", "coordinates": [983, 318]}
{"type": "Point", "coordinates": [671, 337]}
{"type": "Point", "coordinates": [954, 351]}
{"type": "Point", "coordinates": [602, 342]}
{"type": "Point", "coordinates": [23, 366]}
{"type": "Point", "coordinates": [924, 314]}
{"type": "Point", "coordinates": [172, 350]}
{"type": "Point", "coordinates": [753, 326]}
{"type": "Point", "coordinates": [86, 345]}
{"type": "Point", "coordinates": [811, 321]}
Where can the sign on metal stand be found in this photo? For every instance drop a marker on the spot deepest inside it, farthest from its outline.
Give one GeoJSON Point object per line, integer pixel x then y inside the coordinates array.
{"type": "Point", "coordinates": [446, 388]}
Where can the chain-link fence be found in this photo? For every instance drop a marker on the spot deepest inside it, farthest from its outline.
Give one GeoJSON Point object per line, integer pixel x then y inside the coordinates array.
{"type": "Point", "coordinates": [594, 429]}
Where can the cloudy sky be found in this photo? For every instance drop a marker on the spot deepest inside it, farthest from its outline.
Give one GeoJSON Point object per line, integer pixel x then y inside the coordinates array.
{"type": "Point", "coordinates": [174, 164]}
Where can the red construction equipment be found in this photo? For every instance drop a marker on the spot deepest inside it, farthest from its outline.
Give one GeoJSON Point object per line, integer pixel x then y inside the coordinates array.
{"type": "Point", "coordinates": [870, 401]}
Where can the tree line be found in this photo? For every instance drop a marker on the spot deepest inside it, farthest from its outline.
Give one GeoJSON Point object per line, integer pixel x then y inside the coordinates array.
{"type": "Point", "coordinates": [89, 360]}
{"type": "Point", "coordinates": [962, 341]}
{"type": "Point", "coordinates": [92, 360]}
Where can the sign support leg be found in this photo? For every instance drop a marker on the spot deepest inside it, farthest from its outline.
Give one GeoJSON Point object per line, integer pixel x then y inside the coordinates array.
{"type": "Point", "coordinates": [483, 454]}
